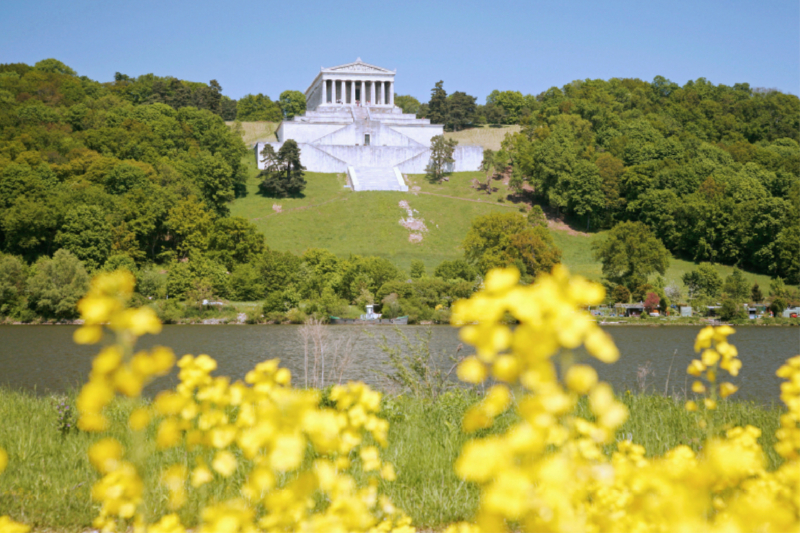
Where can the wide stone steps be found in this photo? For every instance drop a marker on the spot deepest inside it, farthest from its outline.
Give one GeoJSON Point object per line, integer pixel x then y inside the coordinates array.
{"type": "Point", "coordinates": [376, 179]}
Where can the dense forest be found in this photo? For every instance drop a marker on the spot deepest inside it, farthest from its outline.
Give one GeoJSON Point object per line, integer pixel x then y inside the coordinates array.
{"type": "Point", "coordinates": [713, 170]}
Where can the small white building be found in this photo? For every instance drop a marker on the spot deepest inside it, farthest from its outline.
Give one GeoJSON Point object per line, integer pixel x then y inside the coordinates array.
{"type": "Point", "coordinates": [352, 125]}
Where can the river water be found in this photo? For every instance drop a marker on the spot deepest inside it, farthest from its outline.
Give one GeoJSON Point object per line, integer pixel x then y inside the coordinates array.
{"type": "Point", "coordinates": [44, 358]}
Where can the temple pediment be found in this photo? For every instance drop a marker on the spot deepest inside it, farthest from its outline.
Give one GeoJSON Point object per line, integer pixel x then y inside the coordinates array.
{"type": "Point", "coordinates": [358, 66]}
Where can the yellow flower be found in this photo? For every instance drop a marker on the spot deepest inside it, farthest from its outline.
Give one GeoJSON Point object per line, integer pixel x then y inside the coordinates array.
{"type": "Point", "coordinates": [169, 434]}
{"type": "Point", "coordinates": [287, 452]}
{"type": "Point", "coordinates": [506, 368]}
{"type": "Point", "coordinates": [370, 458]}
{"type": "Point", "coordinates": [139, 419]}
{"type": "Point", "coordinates": [501, 279]}
{"type": "Point", "coordinates": [225, 463]}
{"type": "Point", "coordinates": [105, 455]}
{"type": "Point", "coordinates": [726, 389]}
{"type": "Point", "coordinates": [3, 460]}
{"type": "Point", "coordinates": [698, 387]}
{"type": "Point", "coordinates": [696, 367]}
{"type": "Point", "coordinates": [691, 405]}
{"type": "Point", "coordinates": [709, 357]}
{"type": "Point", "coordinates": [88, 335]}
{"type": "Point", "coordinates": [168, 524]}
{"type": "Point", "coordinates": [201, 475]}
{"type": "Point", "coordinates": [9, 526]}
{"type": "Point", "coordinates": [703, 339]}
{"type": "Point", "coordinates": [710, 403]}
{"type": "Point", "coordinates": [387, 472]}
{"type": "Point", "coordinates": [581, 378]}
{"type": "Point", "coordinates": [174, 478]}
{"type": "Point", "coordinates": [471, 370]}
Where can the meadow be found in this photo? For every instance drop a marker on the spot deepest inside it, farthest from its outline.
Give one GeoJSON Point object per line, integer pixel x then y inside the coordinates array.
{"type": "Point", "coordinates": [329, 215]}
{"type": "Point", "coordinates": [49, 477]}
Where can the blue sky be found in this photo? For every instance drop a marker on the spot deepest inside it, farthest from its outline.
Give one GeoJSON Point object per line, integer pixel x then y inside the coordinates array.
{"type": "Point", "coordinates": [267, 47]}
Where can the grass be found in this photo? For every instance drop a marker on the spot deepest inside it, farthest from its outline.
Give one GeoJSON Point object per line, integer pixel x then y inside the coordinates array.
{"type": "Point", "coordinates": [486, 136]}
{"type": "Point", "coordinates": [48, 481]}
{"type": "Point", "coordinates": [331, 216]}
{"type": "Point", "coordinates": [256, 131]}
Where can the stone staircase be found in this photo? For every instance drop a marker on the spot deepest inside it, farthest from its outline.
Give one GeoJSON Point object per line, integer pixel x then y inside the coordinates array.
{"type": "Point", "coordinates": [376, 179]}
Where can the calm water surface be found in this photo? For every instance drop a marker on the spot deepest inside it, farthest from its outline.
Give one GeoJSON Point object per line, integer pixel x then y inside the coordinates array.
{"type": "Point", "coordinates": [44, 358]}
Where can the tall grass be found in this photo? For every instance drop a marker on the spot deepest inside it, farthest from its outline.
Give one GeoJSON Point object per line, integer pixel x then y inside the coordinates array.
{"type": "Point", "coordinates": [49, 478]}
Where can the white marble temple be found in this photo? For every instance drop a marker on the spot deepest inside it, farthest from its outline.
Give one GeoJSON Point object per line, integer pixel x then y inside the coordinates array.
{"type": "Point", "coordinates": [351, 122]}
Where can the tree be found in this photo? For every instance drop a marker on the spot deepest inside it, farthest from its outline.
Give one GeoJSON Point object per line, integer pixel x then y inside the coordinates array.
{"type": "Point", "coordinates": [417, 269]}
{"type": "Point", "coordinates": [437, 105]}
{"type": "Point", "coordinates": [651, 302]}
{"type": "Point", "coordinates": [703, 281]}
{"type": "Point", "coordinates": [630, 253]}
{"type": "Point", "coordinates": [407, 103]}
{"type": "Point", "coordinates": [283, 173]}
{"type": "Point", "coordinates": [460, 111]}
{"type": "Point", "coordinates": [86, 234]}
{"type": "Point", "coordinates": [455, 269]}
{"type": "Point", "coordinates": [189, 223]}
{"type": "Point", "coordinates": [441, 157]}
{"type": "Point", "coordinates": [736, 286]}
{"type": "Point", "coordinates": [621, 294]}
{"type": "Point", "coordinates": [233, 241]}
{"type": "Point", "coordinates": [506, 239]}
{"type": "Point", "coordinates": [258, 107]}
{"type": "Point", "coordinates": [536, 217]}
{"type": "Point", "coordinates": [13, 278]}
{"type": "Point", "coordinates": [777, 306]}
{"type": "Point", "coordinates": [292, 103]}
{"type": "Point", "coordinates": [755, 294]}
{"type": "Point", "coordinates": [56, 285]}
{"type": "Point", "coordinates": [246, 283]}
{"type": "Point", "coordinates": [54, 66]}
{"type": "Point", "coordinates": [732, 309]}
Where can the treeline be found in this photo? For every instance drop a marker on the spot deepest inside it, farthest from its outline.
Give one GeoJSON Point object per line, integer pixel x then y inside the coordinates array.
{"type": "Point", "coordinates": [713, 170]}
{"type": "Point", "coordinates": [227, 258]}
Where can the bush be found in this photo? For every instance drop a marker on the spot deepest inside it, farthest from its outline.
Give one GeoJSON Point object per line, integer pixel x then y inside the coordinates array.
{"type": "Point", "coordinates": [296, 316]}
{"type": "Point", "coordinates": [56, 285]}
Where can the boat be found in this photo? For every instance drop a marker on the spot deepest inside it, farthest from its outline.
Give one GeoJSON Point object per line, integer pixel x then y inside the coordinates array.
{"type": "Point", "coordinates": [370, 318]}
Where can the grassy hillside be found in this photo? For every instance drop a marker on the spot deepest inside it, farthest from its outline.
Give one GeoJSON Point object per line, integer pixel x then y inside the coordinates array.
{"type": "Point", "coordinates": [486, 136]}
{"type": "Point", "coordinates": [333, 217]}
{"type": "Point", "coordinates": [253, 132]}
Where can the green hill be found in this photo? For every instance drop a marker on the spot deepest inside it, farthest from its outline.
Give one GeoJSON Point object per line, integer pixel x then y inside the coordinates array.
{"type": "Point", "coordinates": [368, 223]}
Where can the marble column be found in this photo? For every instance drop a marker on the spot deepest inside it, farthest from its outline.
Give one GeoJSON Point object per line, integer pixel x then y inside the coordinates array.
{"type": "Point", "coordinates": [391, 93]}
{"type": "Point", "coordinates": [372, 92]}
{"type": "Point", "coordinates": [352, 91]}
{"type": "Point", "coordinates": [377, 93]}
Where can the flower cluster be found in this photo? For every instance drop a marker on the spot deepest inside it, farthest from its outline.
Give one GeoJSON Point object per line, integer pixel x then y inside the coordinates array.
{"type": "Point", "coordinates": [717, 354]}
{"type": "Point", "coordinates": [551, 472]}
{"type": "Point", "coordinates": [272, 456]}
{"type": "Point", "coordinates": [116, 368]}
{"type": "Point", "coordinates": [788, 445]}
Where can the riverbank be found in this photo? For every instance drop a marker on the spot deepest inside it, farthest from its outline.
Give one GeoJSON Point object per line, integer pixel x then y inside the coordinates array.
{"type": "Point", "coordinates": [48, 481]}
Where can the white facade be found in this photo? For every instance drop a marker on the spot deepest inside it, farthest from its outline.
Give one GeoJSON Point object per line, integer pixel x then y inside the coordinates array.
{"type": "Point", "coordinates": [352, 125]}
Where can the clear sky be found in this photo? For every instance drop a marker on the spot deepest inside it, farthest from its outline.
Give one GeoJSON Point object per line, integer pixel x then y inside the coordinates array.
{"type": "Point", "coordinates": [475, 47]}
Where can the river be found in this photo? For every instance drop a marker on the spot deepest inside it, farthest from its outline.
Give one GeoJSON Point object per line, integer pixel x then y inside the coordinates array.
{"type": "Point", "coordinates": [44, 358]}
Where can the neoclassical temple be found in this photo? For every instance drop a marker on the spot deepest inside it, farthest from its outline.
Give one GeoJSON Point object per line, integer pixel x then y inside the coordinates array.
{"type": "Point", "coordinates": [352, 126]}
{"type": "Point", "coordinates": [354, 83]}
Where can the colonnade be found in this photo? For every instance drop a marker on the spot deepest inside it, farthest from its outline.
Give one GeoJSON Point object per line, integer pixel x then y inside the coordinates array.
{"type": "Point", "coordinates": [379, 93]}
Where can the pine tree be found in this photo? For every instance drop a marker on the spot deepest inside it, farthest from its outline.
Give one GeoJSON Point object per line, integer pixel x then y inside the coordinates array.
{"type": "Point", "coordinates": [437, 106]}
{"type": "Point", "coordinates": [755, 293]}
{"type": "Point", "coordinates": [283, 173]}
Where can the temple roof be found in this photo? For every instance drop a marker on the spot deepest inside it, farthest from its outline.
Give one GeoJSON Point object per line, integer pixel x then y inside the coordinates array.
{"type": "Point", "coordinates": [358, 66]}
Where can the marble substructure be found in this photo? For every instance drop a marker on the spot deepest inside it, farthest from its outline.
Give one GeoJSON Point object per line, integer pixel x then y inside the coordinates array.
{"type": "Point", "coordinates": [352, 126]}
